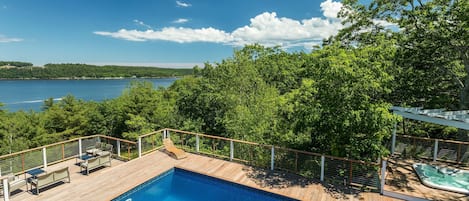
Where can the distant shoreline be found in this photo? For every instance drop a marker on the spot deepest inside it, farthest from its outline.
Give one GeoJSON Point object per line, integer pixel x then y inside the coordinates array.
{"type": "Point", "coordinates": [90, 78]}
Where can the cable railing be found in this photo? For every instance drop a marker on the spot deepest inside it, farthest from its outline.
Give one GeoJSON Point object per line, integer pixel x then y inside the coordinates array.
{"type": "Point", "coordinates": [431, 148]}
{"type": "Point", "coordinates": [41, 157]}
{"type": "Point", "coordinates": [321, 167]}
{"type": "Point", "coordinates": [151, 142]}
{"type": "Point", "coordinates": [330, 169]}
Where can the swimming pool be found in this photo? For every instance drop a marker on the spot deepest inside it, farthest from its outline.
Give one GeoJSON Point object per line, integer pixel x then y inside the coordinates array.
{"type": "Point", "coordinates": [449, 179]}
{"type": "Point", "coordinates": [182, 185]}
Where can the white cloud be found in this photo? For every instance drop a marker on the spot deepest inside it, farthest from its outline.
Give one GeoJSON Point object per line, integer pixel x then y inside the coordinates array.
{"type": "Point", "coordinates": [180, 35]}
{"type": "Point", "coordinates": [270, 30]}
{"type": "Point", "coordinates": [138, 22]}
{"type": "Point", "coordinates": [330, 8]}
{"type": "Point", "coordinates": [4, 39]}
{"type": "Point", "coordinates": [183, 4]}
{"type": "Point", "coordinates": [180, 21]}
{"type": "Point", "coordinates": [266, 28]}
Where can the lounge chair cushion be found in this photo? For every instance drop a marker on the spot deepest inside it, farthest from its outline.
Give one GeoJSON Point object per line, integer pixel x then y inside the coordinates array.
{"type": "Point", "coordinates": [171, 149]}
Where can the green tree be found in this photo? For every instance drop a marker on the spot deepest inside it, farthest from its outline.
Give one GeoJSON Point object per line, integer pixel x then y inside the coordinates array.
{"type": "Point", "coordinates": [432, 50]}
{"type": "Point", "coordinates": [68, 118]}
{"type": "Point", "coordinates": [341, 105]}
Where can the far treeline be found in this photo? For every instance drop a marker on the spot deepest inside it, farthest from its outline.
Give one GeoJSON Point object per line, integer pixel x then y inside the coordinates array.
{"type": "Point", "coordinates": [54, 71]}
{"type": "Point", "coordinates": [15, 63]}
{"type": "Point", "coordinates": [334, 100]}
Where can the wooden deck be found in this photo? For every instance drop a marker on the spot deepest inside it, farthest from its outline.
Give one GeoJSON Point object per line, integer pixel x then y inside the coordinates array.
{"type": "Point", "coordinates": [107, 183]}
{"type": "Point", "coordinates": [404, 181]}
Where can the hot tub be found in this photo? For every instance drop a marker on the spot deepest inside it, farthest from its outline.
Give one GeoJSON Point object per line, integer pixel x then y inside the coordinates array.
{"type": "Point", "coordinates": [450, 179]}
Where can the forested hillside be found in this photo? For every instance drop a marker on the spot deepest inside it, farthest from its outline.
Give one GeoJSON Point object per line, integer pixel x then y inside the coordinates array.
{"type": "Point", "coordinates": [333, 100]}
{"type": "Point", "coordinates": [15, 63]}
{"type": "Point", "coordinates": [54, 71]}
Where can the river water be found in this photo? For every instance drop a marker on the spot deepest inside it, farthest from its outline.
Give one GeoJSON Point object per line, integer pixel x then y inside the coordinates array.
{"type": "Point", "coordinates": [30, 94]}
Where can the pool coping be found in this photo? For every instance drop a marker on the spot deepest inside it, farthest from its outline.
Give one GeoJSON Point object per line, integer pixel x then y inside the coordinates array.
{"type": "Point", "coordinates": [433, 185]}
{"type": "Point", "coordinates": [232, 181]}
{"type": "Point", "coordinates": [159, 176]}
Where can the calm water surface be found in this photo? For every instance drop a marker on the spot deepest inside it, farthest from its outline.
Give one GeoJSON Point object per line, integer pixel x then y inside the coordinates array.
{"type": "Point", "coordinates": [30, 94]}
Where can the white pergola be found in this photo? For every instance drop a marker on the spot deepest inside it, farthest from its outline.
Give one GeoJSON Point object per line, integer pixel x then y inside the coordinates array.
{"type": "Point", "coordinates": [458, 119]}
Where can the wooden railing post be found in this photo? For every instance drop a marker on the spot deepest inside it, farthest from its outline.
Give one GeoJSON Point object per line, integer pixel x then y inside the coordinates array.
{"type": "Point", "coordinates": [296, 161]}
{"type": "Point", "coordinates": [323, 159]}
{"type": "Point", "coordinates": [63, 151]}
{"type": "Point", "coordinates": [272, 158]}
{"type": "Point", "coordinates": [231, 150]}
{"type": "Point", "coordinates": [6, 191]}
{"type": "Point", "coordinates": [197, 146]}
{"type": "Point", "coordinates": [22, 162]}
{"type": "Point", "coordinates": [350, 174]}
{"type": "Point", "coordinates": [128, 151]}
{"type": "Point", "coordinates": [44, 157]}
{"type": "Point", "coordinates": [118, 148]}
{"type": "Point", "coordinates": [139, 147]}
{"type": "Point", "coordinates": [393, 141]}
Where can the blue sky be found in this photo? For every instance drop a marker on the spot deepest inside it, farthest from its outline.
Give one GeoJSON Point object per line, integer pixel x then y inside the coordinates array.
{"type": "Point", "coordinates": [164, 33]}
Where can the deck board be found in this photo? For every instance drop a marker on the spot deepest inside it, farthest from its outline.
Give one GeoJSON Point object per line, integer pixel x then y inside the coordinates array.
{"type": "Point", "coordinates": [107, 183]}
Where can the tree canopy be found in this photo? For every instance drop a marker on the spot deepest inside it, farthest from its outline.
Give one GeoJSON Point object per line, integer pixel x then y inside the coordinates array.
{"type": "Point", "coordinates": [432, 52]}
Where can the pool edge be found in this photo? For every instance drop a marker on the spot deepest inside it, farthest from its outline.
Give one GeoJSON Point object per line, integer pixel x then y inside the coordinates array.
{"type": "Point", "coordinates": [234, 182]}
{"type": "Point", "coordinates": [203, 174]}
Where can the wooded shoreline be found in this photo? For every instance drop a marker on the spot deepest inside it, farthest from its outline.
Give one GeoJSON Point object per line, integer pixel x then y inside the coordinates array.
{"type": "Point", "coordinates": [84, 72]}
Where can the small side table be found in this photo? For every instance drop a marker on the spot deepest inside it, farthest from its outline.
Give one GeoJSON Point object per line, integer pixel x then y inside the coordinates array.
{"type": "Point", "coordinates": [33, 173]}
{"type": "Point", "coordinates": [83, 158]}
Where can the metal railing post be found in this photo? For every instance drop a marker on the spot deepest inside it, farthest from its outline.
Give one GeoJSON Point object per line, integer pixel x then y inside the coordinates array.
{"type": "Point", "coordinates": [383, 175]}
{"type": "Point", "coordinates": [323, 159]}
{"type": "Point", "coordinates": [231, 150]}
{"type": "Point", "coordinates": [118, 148]}
{"type": "Point", "coordinates": [44, 157]}
{"type": "Point", "coordinates": [6, 191]}
{"type": "Point", "coordinates": [393, 141]}
{"type": "Point", "coordinates": [79, 147]}
{"type": "Point", "coordinates": [139, 147]}
{"type": "Point", "coordinates": [435, 150]}
{"type": "Point", "coordinates": [272, 158]}
{"type": "Point", "coordinates": [197, 146]}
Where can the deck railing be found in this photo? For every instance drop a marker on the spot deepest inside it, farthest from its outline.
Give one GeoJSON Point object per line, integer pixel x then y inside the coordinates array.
{"type": "Point", "coordinates": [330, 169]}
{"type": "Point", "coordinates": [431, 148]}
{"type": "Point", "coordinates": [41, 157]}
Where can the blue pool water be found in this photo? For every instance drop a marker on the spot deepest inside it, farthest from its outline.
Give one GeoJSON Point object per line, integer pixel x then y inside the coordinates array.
{"type": "Point", "coordinates": [182, 185]}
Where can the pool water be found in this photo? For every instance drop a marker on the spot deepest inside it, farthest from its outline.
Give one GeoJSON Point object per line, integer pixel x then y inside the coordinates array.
{"type": "Point", "coordinates": [182, 185]}
{"type": "Point", "coordinates": [450, 179]}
